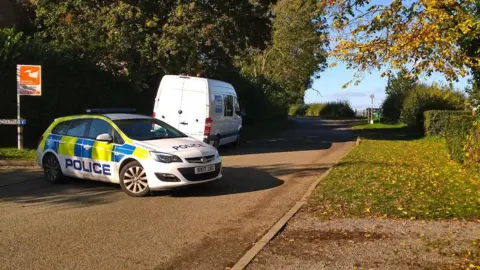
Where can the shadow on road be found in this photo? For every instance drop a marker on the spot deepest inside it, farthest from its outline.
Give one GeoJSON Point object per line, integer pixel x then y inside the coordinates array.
{"type": "Point", "coordinates": [234, 181]}
{"type": "Point", "coordinates": [308, 134]}
{"type": "Point", "coordinates": [393, 134]}
{"type": "Point", "coordinates": [74, 193]}
{"type": "Point", "coordinates": [81, 193]}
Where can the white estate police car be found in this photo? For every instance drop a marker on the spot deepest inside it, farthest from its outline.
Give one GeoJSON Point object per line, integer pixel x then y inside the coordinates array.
{"type": "Point", "coordinates": [139, 152]}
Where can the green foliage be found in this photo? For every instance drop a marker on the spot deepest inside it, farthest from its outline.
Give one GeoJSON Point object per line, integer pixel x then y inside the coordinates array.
{"type": "Point", "coordinates": [295, 54]}
{"type": "Point", "coordinates": [472, 147]}
{"type": "Point", "coordinates": [458, 128]}
{"type": "Point", "coordinates": [435, 123]}
{"type": "Point", "coordinates": [363, 126]}
{"type": "Point", "coordinates": [151, 38]}
{"type": "Point", "coordinates": [397, 89]}
{"type": "Point", "coordinates": [70, 85]}
{"type": "Point", "coordinates": [399, 179]}
{"type": "Point", "coordinates": [314, 109]}
{"type": "Point", "coordinates": [424, 98]}
{"type": "Point", "coordinates": [400, 84]}
{"type": "Point", "coordinates": [297, 110]}
{"type": "Point", "coordinates": [15, 154]}
{"type": "Point", "coordinates": [333, 110]}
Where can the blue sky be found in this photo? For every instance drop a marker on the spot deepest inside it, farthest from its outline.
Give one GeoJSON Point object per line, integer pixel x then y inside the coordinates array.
{"type": "Point", "coordinates": [332, 79]}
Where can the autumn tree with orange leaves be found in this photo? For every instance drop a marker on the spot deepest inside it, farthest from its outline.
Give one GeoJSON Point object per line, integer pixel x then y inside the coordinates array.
{"type": "Point", "coordinates": [420, 37]}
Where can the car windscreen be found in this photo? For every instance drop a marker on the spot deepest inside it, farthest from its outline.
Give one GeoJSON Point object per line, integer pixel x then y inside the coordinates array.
{"type": "Point", "coordinates": [147, 129]}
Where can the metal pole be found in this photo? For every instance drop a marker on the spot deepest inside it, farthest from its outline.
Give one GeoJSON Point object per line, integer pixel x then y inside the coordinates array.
{"type": "Point", "coordinates": [19, 127]}
{"type": "Point", "coordinates": [371, 111]}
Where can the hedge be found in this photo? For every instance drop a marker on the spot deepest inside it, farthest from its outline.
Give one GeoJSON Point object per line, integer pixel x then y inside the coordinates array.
{"type": "Point", "coordinates": [456, 134]}
{"type": "Point", "coordinates": [473, 145]}
{"type": "Point", "coordinates": [332, 110]}
{"type": "Point", "coordinates": [435, 121]}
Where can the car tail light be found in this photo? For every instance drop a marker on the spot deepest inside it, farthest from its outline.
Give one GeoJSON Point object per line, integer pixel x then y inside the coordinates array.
{"type": "Point", "coordinates": [208, 126]}
{"type": "Point", "coordinates": [154, 115]}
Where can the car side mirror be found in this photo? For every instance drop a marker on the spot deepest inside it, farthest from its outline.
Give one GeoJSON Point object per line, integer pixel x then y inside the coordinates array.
{"type": "Point", "coordinates": [105, 137]}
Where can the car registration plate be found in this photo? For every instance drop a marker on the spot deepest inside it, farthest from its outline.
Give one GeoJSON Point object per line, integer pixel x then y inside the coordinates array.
{"type": "Point", "coordinates": [206, 169]}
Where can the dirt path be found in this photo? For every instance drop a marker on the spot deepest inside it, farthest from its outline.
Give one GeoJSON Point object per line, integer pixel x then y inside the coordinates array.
{"type": "Point", "coordinates": [309, 243]}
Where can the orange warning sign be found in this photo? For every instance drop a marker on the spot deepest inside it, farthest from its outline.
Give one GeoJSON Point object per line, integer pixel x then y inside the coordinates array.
{"type": "Point", "coordinates": [30, 75]}
{"type": "Point", "coordinates": [29, 80]}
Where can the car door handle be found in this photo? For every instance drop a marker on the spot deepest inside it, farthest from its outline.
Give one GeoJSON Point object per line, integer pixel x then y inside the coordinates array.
{"type": "Point", "coordinates": [61, 142]}
{"type": "Point", "coordinates": [184, 123]}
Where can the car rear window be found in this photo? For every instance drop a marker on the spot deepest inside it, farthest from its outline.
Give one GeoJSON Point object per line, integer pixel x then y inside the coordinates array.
{"type": "Point", "coordinates": [61, 128]}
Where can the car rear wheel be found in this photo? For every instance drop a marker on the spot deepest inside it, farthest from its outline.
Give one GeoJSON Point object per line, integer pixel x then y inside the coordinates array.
{"type": "Point", "coordinates": [51, 169]}
{"type": "Point", "coordinates": [133, 180]}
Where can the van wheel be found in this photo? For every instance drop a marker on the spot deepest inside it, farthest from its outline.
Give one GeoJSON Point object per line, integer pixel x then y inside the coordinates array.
{"type": "Point", "coordinates": [133, 180]}
{"type": "Point", "coordinates": [216, 142]}
{"type": "Point", "coordinates": [52, 170]}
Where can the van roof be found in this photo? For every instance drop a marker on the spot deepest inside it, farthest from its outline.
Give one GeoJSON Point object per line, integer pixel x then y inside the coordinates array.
{"type": "Point", "coordinates": [210, 81]}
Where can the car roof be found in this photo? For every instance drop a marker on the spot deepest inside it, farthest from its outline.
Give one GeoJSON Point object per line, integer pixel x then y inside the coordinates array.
{"type": "Point", "coordinates": [111, 116]}
{"type": "Point", "coordinates": [121, 116]}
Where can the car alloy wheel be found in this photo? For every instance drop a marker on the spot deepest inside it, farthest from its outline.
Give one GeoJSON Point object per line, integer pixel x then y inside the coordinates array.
{"type": "Point", "coordinates": [133, 180]}
{"type": "Point", "coordinates": [51, 169]}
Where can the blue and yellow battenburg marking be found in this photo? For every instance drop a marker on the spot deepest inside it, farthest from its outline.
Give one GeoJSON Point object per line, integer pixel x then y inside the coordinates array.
{"type": "Point", "coordinates": [91, 149]}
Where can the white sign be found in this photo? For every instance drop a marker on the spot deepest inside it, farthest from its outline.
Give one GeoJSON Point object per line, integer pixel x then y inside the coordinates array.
{"type": "Point", "coordinates": [29, 80]}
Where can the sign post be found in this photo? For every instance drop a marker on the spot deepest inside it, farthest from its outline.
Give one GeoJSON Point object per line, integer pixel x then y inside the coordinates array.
{"type": "Point", "coordinates": [29, 83]}
{"type": "Point", "coordinates": [371, 110]}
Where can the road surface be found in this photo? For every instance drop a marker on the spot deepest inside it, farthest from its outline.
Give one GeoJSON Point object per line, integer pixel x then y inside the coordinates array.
{"type": "Point", "coordinates": [93, 225]}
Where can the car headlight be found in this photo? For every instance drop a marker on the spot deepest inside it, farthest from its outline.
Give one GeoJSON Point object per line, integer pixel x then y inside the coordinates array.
{"type": "Point", "coordinates": [164, 157]}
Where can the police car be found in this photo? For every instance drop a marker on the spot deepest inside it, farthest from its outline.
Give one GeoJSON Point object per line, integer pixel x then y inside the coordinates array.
{"type": "Point", "coordinates": [139, 152]}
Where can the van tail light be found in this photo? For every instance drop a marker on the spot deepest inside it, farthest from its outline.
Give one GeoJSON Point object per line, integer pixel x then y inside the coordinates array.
{"type": "Point", "coordinates": [208, 126]}
{"type": "Point", "coordinates": [154, 114]}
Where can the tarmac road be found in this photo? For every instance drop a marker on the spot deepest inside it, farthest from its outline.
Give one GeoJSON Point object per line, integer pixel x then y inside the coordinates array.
{"type": "Point", "coordinates": [93, 225]}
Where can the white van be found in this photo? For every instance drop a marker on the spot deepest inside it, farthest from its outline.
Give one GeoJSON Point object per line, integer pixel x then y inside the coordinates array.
{"type": "Point", "coordinates": [204, 109]}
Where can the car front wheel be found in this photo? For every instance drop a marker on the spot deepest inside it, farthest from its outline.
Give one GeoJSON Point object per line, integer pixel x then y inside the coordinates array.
{"type": "Point", "coordinates": [51, 169]}
{"type": "Point", "coordinates": [133, 180]}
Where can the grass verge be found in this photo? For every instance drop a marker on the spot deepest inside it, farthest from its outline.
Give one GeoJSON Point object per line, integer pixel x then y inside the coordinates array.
{"type": "Point", "coordinates": [362, 126]}
{"type": "Point", "coordinates": [15, 154]}
{"type": "Point", "coordinates": [400, 179]}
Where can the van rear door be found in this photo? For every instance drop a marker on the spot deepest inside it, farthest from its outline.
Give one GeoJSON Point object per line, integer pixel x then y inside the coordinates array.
{"type": "Point", "coordinates": [169, 100]}
{"type": "Point", "coordinates": [194, 107]}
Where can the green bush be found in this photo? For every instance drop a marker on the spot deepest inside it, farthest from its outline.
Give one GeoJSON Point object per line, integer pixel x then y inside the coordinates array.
{"type": "Point", "coordinates": [473, 145]}
{"type": "Point", "coordinates": [297, 110]}
{"type": "Point", "coordinates": [435, 121]}
{"type": "Point", "coordinates": [424, 98]}
{"type": "Point", "coordinates": [331, 110]}
{"type": "Point", "coordinates": [458, 129]}
{"type": "Point", "coordinates": [314, 109]}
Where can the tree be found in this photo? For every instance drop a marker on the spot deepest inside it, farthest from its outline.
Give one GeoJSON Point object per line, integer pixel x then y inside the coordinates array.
{"type": "Point", "coordinates": [400, 83]}
{"type": "Point", "coordinates": [149, 38]}
{"type": "Point", "coordinates": [420, 36]}
{"type": "Point", "coordinates": [397, 89]}
{"type": "Point", "coordinates": [296, 52]}
{"type": "Point", "coordinates": [429, 97]}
